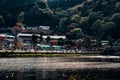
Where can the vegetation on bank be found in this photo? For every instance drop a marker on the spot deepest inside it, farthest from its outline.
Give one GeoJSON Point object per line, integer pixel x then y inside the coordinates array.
{"type": "Point", "coordinates": [45, 54]}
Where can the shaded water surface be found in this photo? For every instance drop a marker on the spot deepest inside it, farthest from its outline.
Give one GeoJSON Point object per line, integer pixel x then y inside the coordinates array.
{"type": "Point", "coordinates": [86, 74]}
{"type": "Point", "coordinates": [59, 68]}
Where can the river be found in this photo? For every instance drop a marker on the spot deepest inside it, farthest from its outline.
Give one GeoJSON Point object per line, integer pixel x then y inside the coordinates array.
{"type": "Point", "coordinates": [60, 68]}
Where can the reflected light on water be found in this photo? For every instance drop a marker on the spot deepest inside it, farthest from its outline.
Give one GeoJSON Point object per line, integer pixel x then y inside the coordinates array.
{"type": "Point", "coordinates": [59, 68]}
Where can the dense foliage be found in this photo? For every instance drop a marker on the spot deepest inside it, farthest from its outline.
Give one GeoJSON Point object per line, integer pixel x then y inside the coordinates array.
{"type": "Point", "coordinates": [97, 18]}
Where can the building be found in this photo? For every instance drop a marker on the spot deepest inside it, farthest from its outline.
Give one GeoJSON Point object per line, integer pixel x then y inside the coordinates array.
{"type": "Point", "coordinates": [27, 37]}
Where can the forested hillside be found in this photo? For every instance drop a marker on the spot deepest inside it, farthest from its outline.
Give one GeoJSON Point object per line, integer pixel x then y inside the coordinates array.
{"type": "Point", "coordinates": [97, 18]}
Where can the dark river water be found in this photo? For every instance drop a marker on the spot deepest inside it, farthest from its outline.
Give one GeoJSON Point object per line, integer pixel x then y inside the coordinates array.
{"type": "Point", "coordinates": [60, 68]}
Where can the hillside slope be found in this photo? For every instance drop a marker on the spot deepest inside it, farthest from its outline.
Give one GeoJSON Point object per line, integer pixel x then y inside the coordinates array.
{"type": "Point", "coordinates": [97, 18]}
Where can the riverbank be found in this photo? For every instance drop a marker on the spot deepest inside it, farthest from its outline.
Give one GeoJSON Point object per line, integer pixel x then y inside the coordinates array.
{"type": "Point", "coordinates": [77, 57]}
{"type": "Point", "coordinates": [9, 53]}
{"type": "Point", "coordinates": [30, 54]}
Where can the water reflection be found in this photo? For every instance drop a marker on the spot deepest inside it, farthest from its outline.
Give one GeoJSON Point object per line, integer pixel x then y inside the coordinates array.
{"type": "Point", "coordinates": [85, 74]}
{"type": "Point", "coordinates": [57, 68]}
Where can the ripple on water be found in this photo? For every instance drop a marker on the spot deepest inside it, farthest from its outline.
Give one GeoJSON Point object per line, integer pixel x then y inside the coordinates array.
{"type": "Point", "coordinates": [51, 63]}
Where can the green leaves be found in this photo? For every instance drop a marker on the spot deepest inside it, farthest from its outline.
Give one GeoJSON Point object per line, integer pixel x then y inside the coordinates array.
{"type": "Point", "coordinates": [2, 21]}
{"type": "Point", "coordinates": [94, 17]}
{"type": "Point", "coordinates": [116, 17]}
{"type": "Point", "coordinates": [77, 32]}
{"type": "Point", "coordinates": [117, 7]}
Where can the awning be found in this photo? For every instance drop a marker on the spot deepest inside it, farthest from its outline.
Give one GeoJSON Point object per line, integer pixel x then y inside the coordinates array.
{"type": "Point", "coordinates": [57, 47]}
{"type": "Point", "coordinates": [45, 47]}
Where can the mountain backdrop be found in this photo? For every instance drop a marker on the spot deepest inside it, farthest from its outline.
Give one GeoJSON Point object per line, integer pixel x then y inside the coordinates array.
{"type": "Point", "coordinates": [96, 18]}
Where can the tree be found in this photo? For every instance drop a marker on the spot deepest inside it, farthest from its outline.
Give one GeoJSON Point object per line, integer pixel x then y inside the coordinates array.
{"type": "Point", "coordinates": [118, 42]}
{"type": "Point", "coordinates": [77, 32]}
{"type": "Point", "coordinates": [83, 20]}
{"type": "Point", "coordinates": [93, 16]}
{"type": "Point", "coordinates": [116, 18]}
{"type": "Point", "coordinates": [47, 6]}
{"type": "Point", "coordinates": [108, 26]}
{"type": "Point", "coordinates": [96, 26]}
{"type": "Point", "coordinates": [21, 17]}
{"type": "Point", "coordinates": [75, 18]}
{"type": "Point", "coordinates": [34, 39]}
{"type": "Point", "coordinates": [62, 13]}
{"type": "Point", "coordinates": [32, 17]}
{"type": "Point", "coordinates": [2, 21]}
{"type": "Point", "coordinates": [111, 40]}
{"type": "Point", "coordinates": [39, 12]}
{"type": "Point", "coordinates": [87, 42]}
{"type": "Point", "coordinates": [117, 7]}
{"type": "Point", "coordinates": [48, 39]}
{"type": "Point", "coordinates": [69, 35]}
{"type": "Point", "coordinates": [20, 44]}
{"type": "Point", "coordinates": [71, 26]}
{"type": "Point", "coordinates": [10, 19]}
{"type": "Point", "coordinates": [41, 38]}
{"type": "Point", "coordinates": [107, 29]}
{"type": "Point", "coordinates": [34, 9]}
{"type": "Point", "coordinates": [63, 24]}
{"type": "Point", "coordinates": [18, 28]}
{"type": "Point", "coordinates": [60, 42]}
